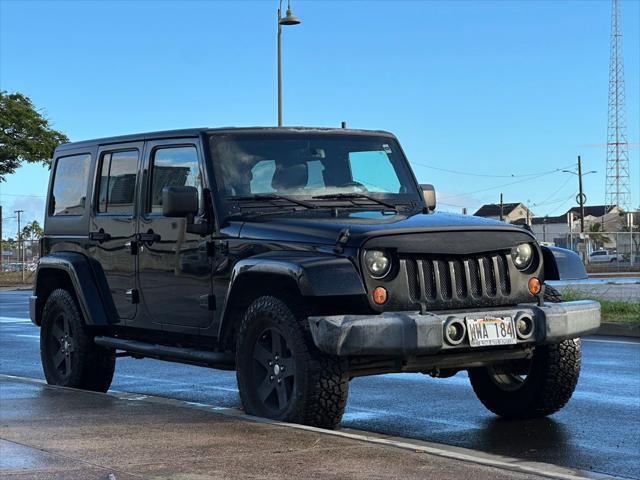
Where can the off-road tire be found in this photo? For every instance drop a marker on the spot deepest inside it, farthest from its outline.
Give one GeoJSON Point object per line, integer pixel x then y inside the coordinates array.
{"type": "Point", "coordinates": [550, 383]}
{"type": "Point", "coordinates": [90, 366]}
{"type": "Point", "coordinates": [320, 384]}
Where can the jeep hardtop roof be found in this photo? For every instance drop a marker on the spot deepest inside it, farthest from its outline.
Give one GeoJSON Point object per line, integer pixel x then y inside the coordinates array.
{"type": "Point", "coordinates": [193, 132]}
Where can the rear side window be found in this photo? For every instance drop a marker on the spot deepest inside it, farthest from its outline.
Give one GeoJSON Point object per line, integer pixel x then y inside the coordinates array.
{"type": "Point", "coordinates": [173, 167]}
{"type": "Point", "coordinates": [117, 187]}
{"type": "Point", "coordinates": [69, 192]}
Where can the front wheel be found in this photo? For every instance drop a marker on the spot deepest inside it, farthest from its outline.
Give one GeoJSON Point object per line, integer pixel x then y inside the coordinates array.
{"type": "Point", "coordinates": [530, 388]}
{"type": "Point", "coordinates": [281, 375]}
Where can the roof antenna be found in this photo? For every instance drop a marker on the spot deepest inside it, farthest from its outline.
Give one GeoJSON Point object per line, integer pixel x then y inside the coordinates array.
{"type": "Point", "coordinates": [343, 124]}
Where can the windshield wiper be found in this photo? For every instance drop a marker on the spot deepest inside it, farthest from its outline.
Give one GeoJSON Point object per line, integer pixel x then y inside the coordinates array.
{"type": "Point", "coordinates": [352, 196]}
{"type": "Point", "coordinates": [271, 196]}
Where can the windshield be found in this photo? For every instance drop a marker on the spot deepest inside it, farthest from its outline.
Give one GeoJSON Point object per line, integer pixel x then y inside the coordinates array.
{"type": "Point", "coordinates": [316, 167]}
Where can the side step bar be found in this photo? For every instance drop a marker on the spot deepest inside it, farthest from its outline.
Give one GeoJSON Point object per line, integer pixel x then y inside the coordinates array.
{"type": "Point", "coordinates": [221, 361]}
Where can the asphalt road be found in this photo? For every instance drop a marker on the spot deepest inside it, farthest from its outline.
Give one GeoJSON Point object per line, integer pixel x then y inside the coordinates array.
{"type": "Point", "coordinates": [599, 430]}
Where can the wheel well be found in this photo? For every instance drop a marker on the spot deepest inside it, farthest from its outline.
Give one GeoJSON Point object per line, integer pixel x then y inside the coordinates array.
{"type": "Point", "coordinates": [248, 288]}
{"type": "Point", "coordinates": [50, 279]}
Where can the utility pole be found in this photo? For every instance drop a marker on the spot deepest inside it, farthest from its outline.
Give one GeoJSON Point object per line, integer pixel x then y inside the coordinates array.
{"type": "Point", "coordinates": [581, 196]}
{"type": "Point", "coordinates": [20, 246]}
{"type": "Point", "coordinates": [501, 209]}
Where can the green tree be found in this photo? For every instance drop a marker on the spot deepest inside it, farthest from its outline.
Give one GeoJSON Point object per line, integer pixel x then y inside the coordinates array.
{"type": "Point", "coordinates": [32, 231]}
{"type": "Point", "coordinates": [25, 134]}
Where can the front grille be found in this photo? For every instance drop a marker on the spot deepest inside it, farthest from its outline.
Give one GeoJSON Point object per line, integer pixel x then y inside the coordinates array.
{"type": "Point", "coordinates": [458, 282]}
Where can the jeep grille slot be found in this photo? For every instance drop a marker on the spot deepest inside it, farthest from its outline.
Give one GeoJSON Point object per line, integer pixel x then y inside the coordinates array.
{"type": "Point", "coordinates": [458, 282]}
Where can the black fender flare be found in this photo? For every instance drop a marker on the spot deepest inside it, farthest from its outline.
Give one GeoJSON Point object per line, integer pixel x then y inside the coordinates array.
{"type": "Point", "coordinates": [315, 274]}
{"type": "Point", "coordinates": [89, 284]}
{"type": "Point", "coordinates": [562, 264]}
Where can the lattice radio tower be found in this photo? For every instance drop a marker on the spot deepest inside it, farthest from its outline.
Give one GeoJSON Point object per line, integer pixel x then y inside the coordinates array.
{"type": "Point", "coordinates": [617, 190]}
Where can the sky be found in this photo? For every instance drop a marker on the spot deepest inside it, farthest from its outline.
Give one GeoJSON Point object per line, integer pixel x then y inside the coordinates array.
{"type": "Point", "coordinates": [479, 93]}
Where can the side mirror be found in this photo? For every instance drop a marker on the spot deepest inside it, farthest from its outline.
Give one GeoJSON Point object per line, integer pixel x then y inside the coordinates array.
{"type": "Point", "coordinates": [179, 201]}
{"type": "Point", "coordinates": [429, 194]}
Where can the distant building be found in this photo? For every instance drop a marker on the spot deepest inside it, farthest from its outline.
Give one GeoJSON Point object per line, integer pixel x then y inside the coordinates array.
{"type": "Point", "coordinates": [555, 229]}
{"type": "Point", "coordinates": [512, 212]}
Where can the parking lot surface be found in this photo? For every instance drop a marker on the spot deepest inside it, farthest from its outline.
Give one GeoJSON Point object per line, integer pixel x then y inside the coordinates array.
{"type": "Point", "coordinates": [599, 430]}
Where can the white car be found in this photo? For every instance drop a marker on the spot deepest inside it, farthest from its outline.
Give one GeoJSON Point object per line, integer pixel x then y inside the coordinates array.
{"type": "Point", "coordinates": [604, 256]}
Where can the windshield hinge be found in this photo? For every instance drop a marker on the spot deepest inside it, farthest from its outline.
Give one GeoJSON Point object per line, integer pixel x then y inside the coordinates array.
{"type": "Point", "coordinates": [342, 240]}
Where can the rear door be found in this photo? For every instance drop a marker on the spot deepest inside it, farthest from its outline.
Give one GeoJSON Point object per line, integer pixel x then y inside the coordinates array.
{"type": "Point", "coordinates": [113, 224]}
{"type": "Point", "coordinates": [174, 268]}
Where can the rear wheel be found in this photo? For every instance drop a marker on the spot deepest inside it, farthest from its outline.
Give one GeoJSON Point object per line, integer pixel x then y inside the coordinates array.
{"type": "Point", "coordinates": [69, 356]}
{"type": "Point", "coordinates": [531, 388]}
{"type": "Point", "coordinates": [281, 375]}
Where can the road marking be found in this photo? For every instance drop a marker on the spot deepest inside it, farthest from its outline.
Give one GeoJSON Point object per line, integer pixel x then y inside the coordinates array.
{"type": "Point", "coordinates": [417, 446]}
{"type": "Point", "coordinates": [610, 341]}
{"type": "Point", "coordinates": [14, 320]}
{"type": "Point", "coordinates": [26, 336]}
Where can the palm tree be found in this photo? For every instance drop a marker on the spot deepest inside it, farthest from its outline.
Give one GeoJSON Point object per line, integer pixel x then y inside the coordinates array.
{"type": "Point", "coordinates": [596, 237]}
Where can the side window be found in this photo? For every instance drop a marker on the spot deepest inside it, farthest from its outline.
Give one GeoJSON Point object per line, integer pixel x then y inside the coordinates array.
{"type": "Point", "coordinates": [375, 171]}
{"type": "Point", "coordinates": [69, 193]}
{"type": "Point", "coordinates": [117, 186]}
{"type": "Point", "coordinates": [173, 167]}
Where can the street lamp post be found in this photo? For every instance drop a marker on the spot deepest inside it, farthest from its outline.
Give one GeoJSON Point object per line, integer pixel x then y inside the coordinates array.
{"type": "Point", "coordinates": [581, 196]}
{"type": "Point", "coordinates": [288, 19]}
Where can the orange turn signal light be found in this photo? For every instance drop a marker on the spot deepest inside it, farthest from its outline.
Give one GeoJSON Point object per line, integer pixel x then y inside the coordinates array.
{"type": "Point", "coordinates": [534, 286]}
{"type": "Point", "coordinates": [379, 295]}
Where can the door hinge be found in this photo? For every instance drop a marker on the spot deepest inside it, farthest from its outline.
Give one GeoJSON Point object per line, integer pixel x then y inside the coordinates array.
{"type": "Point", "coordinates": [217, 248]}
{"type": "Point", "coordinates": [208, 302]}
{"type": "Point", "coordinates": [133, 295]}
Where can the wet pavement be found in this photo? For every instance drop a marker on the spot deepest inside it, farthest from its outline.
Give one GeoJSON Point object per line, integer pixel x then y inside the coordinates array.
{"type": "Point", "coordinates": [599, 430]}
{"type": "Point", "coordinates": [53, 433]}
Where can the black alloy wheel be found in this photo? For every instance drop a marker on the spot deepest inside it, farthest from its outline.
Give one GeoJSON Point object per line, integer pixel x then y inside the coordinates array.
{"type": "Point", "coordinates": [273, 370]}
{"type": "Point", "coordinates": [62, 344]}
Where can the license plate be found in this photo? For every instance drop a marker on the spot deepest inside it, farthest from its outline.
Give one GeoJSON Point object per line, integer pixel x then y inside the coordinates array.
{"type": "Point", "coordinates": [491, 330]}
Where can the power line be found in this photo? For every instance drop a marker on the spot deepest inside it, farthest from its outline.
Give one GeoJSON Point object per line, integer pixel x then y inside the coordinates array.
{"type": "Point", "coordinates": [457, 172]}
{"type": "Point", "coordinates": [21, 195]}
{"type": "Point", "coordinates": [511, 183]}
{"type": "Point", "coordinates": [554, 193]}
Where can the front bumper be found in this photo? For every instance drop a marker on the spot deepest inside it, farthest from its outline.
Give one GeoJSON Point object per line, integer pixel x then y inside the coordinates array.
{"type": "Point", "coordinates": [411, 333]}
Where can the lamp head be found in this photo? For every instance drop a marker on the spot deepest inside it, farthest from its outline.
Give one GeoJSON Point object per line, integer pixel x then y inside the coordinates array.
{"type": "Point", "coordinates": [289, 19]}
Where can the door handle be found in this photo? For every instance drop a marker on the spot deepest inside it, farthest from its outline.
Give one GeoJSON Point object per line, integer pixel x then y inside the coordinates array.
{"type": "Point", "coordinates": [100, 236]}
{"type": "Point", "coordinates": [148, 237]}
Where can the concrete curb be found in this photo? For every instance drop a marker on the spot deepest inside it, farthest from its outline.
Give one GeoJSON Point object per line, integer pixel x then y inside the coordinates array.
{"type": "Point", "coordinates": [619, 329]}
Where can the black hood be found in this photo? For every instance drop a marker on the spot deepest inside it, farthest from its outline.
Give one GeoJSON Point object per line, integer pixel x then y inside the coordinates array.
{"type": "Point", "coordinates": [320, 228]}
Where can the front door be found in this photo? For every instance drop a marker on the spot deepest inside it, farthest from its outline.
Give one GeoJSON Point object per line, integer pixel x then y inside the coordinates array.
{"type": "Point", "coordinates": [113, 224]}
{"type": "Point", "coordinates": [174, 268]}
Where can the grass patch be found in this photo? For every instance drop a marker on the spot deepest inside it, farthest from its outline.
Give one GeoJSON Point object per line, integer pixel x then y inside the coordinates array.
{"type": "Point", "coordinates": [612, 310]}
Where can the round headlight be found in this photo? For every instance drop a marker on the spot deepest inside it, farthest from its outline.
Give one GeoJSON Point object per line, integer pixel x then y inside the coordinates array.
{"type": "Point", "coordinates": [522, 256]}
{"type": "Point", "coordinates": [377, 262]}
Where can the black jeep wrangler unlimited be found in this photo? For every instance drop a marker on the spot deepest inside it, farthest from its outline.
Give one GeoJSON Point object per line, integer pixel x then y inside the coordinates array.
{"type": "Point", "coordinates": [301, 258]}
